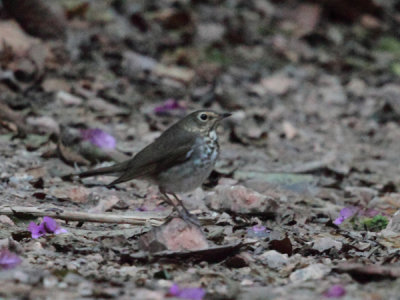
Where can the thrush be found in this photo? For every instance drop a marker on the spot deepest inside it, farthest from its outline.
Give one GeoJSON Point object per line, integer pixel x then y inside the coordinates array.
{"type": "Point", "coordinates": [179, 161]}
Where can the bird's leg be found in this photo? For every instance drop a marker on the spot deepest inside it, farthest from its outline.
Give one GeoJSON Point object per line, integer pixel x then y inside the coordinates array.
{"type": "Point", "coordinates": [181, 204]}
{"type": "Point", "coordinates": [187, 216]}
{"type": "Point", "coordinates": [169, 201]}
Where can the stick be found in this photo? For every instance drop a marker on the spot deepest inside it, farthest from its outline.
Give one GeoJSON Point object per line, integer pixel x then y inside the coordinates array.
{"type": "Point", "coordinates": [134, 218]}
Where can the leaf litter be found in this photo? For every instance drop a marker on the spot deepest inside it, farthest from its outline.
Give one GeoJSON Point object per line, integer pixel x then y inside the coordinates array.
{"type": "Point", "coordinates": [304, 200]}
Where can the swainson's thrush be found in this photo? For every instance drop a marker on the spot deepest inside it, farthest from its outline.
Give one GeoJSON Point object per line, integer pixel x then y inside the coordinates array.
{"type": "Point", "coordinates": [179, 160]}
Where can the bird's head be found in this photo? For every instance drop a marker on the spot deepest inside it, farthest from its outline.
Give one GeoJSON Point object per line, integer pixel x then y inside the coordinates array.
{"type": "Point", "coordinates": [203, 121]}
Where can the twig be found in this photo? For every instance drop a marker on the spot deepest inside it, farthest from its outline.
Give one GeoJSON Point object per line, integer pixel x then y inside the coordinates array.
{"type": "Point", "coordinates": [134, 218]}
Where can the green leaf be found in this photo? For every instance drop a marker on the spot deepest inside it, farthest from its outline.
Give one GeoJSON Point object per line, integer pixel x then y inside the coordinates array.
{"type": "Point", "coordinates": [376, 223]}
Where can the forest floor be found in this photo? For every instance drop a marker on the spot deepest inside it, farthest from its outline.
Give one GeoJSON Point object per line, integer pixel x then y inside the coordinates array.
{"type": "Point", "coordinates": [302, 202]}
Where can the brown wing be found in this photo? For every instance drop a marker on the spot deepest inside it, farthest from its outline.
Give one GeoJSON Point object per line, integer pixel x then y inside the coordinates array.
{"type": "Point", "coordinates": [169, 149]}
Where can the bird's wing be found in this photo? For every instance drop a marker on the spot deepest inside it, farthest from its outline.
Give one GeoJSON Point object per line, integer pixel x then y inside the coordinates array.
{"type": "Point", "coordinates": [164, 153]}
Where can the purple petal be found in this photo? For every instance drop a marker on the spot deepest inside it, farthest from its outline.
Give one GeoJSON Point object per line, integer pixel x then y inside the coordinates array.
{"type": "Point", "coordinates": [258, 231]}
{"type": "Point", "coordinates": [345, 213]}
{"type": "Point", "coordinates": [168, 105]}
{"type": "Point", "coordinates": [8, 260]}
{"type": "Point", "coordinates": [187, 293]}
{"type": "Point", "coordinates": [338, 221]}
{"type": "Point", "coordinates": [348, 212]}
{"type": "Point", "coordinates": [60, 230]}
{"type": "Point", "coordinates": [258, 228]}
{"type": "Point", "coordinates": [192, 293]}
{"type": "Point", "coordinates": [36, 230]}
{"type": "Point", "coordinates": [99, 138]}
{"type": "Point", "coordinates": [174, 289]}
{"type": "Point", "coordinates": [335, 291]}
{"type": "Point", "coordinates": [49, 224]}
{"type": "Point", "coordinates": [370, 212]}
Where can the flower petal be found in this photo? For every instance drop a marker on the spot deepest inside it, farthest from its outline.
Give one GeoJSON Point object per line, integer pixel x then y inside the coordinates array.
{"type": "Point", "coordinates": [192, 293]}
{"type": "Point", "coordinates": [8, 260]}
{"type": "Point", "coordinates": [36, 230]}
{"type": "Point", "coordinates": [99, 138]}
{"type": "Point", "coordinates": [168, 105]}
{"type": "Point", "coordinates": [338, 221]}
{"type": "Point", "coordinates": [335, 291]}
{"type": "Point", "coordinates": [49, 224]}
{"type": "Point", "coordinates": [348, 212]}
{"type": "Point", "coordinates": [60, 230]}
{"type": "Point", "coordinates": [186, 293]}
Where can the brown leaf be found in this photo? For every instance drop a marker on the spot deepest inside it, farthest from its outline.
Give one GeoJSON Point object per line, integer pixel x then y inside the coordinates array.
{"type": "Point", "coordinates": [282, 246]}
{"type": "Point", "coordinates": [37, 18]}
{"type": "Point", "coordinates": [70, 156]}
{"type": "Point", "coordinates": [367, 273]}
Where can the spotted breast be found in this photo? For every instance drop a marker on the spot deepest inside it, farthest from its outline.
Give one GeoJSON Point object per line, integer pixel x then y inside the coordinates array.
{"type": "Point", "coordinates": [194, 171]}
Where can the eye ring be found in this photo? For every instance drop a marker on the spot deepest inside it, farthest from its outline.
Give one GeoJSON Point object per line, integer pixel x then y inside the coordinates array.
{"type": "Point", "coordinates": [203, 117]}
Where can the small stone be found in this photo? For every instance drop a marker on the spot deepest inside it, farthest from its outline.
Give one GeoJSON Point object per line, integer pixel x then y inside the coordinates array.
{"type": "Point", "coordinates": [68, 99]}
{"type": "Point", "coordinates": [62, 285]}
{"type": "Point", "coordinates": [129, 270]}
{"type": "Point", "coordinates": [97, 257]}
{"type": "Point", "coordinates": [326, 243]}
{"type": "Point", "coordinates": [246, 282]}
{"type": "Point", "coordinates": [93, 265]}
{"type": "Point", "coordinates": [289, 130]}
{"type": "Point", "coordinates": [176, 235]}
{"type": "Point", "coordinates": [277, 84]}
{"type": "Point", "coordinates": [394, 225]}
{"type": "Point", "coordinates": [85, 289]}
{"type": "Point", "coordinates": [312, 272]}
{"type": "Point", "coordinates": [21, 276]}
{"type": "Point", "coordinates": [240, 199]}
{"type": "Point", "coordinates": [145, 294]}
{"type": "Point", "coordinates": [44, 124]}
{"type": "Point", "coordinates": [50, 281]}
{"type": "Point", "coordinates": [210, 32]}
{"type": "Point", "coordinates": [356, 87]}
{"type": "Point", "coordinates": [105, 204]}
{"type": "Point", "coordinates": [6, 220]}
{"type": "Point", "coordinates": [274, 259]}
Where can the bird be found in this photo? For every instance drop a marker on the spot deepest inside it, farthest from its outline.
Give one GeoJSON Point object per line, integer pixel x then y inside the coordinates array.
{"type": "Point", "coordinates": [178, 161]}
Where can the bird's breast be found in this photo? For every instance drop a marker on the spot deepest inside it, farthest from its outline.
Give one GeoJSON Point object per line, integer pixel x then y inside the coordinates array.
{"type": "Point", "coordinates": [194, 171]}
{"type": "Point", "coordinates": [207, 152]}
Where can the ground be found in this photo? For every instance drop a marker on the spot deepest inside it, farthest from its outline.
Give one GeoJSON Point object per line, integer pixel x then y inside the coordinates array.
{"type": "Point", "coordinates": [302, 202]}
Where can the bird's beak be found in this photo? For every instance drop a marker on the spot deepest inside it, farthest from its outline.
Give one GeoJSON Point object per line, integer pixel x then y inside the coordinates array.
{"type": "Point", "coordinates": [224, 115]}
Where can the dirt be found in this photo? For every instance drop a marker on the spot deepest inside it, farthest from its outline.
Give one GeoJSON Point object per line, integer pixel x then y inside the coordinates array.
{"type": "Point", "coordinates": [302, 202]}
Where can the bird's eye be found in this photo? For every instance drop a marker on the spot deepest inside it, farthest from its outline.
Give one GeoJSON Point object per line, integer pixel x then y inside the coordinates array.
{"type": "Point", "coordinates": [203, 117]}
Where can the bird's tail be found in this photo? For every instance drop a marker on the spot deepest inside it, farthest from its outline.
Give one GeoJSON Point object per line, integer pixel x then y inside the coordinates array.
{"type": "Point", "coordinates": [114, 170]}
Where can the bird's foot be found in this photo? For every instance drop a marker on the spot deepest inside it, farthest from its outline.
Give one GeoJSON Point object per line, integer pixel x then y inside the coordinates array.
{"type": "Point", "coordinates": [189, 218]}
